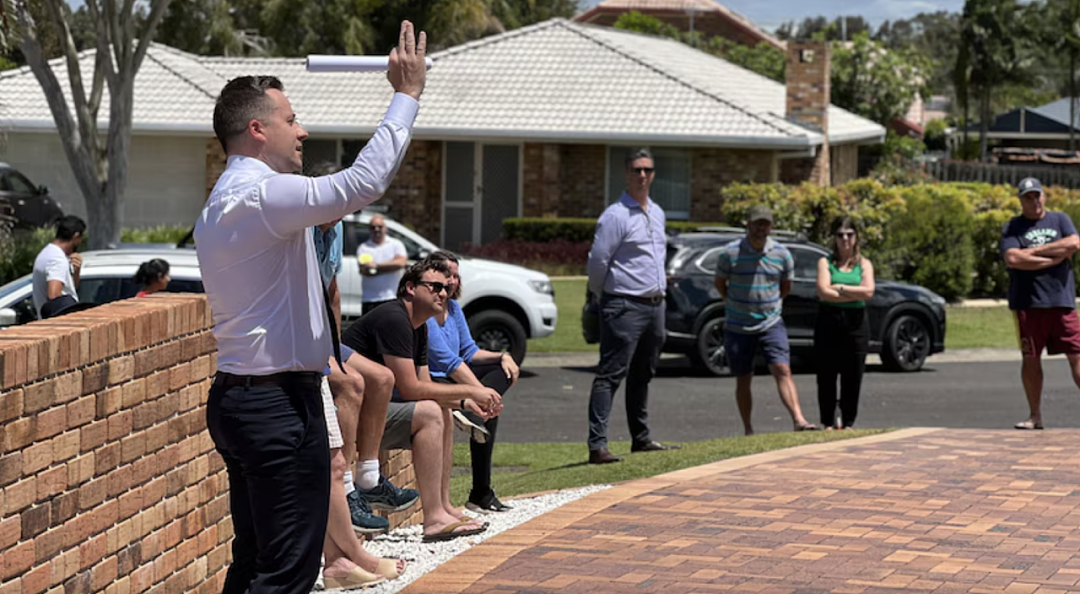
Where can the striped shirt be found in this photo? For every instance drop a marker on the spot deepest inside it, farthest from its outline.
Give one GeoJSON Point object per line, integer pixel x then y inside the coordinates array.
{"type": "Point", "coordinates": [753, 303]}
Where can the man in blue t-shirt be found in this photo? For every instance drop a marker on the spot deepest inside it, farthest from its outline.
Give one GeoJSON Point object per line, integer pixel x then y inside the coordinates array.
{"type": "Point", "coordinates": [753, 275]}
{"type": "Point", "coordinates": [1037, 247]}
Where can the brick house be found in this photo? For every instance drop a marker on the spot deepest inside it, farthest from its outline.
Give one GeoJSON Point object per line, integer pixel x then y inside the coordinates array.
{"type": "Point", "coordinates": [533, 122]}
{"type": "Point", "coordinates": [705, 17]}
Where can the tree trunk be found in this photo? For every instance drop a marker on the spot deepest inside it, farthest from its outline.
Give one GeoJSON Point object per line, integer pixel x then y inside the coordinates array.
{"type": "Point", "coordinates": [107, 220]}
{"type": "Point", "coordinates": [984, 124]}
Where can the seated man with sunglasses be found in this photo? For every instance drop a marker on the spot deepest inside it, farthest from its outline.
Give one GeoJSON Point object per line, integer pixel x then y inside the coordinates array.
{"type": "Point", "coordinates": [395, 335]}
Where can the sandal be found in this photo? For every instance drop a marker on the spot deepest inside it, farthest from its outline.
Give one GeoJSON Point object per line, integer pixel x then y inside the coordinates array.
{"type": "Point", "coordinates": [357, 578]}
{"type": "Point", "coordinates": [1028, 425]}
{"type": "Point", "coordinates": [807, 428]}
{"type": "Point", "coordinates": [451, 532]}
{"type": "Point", "coordinates": [388, 568]}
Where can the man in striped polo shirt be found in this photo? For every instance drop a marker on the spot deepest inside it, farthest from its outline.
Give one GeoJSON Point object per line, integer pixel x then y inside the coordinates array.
{"type": "Point", "coordinates": [753, 275]}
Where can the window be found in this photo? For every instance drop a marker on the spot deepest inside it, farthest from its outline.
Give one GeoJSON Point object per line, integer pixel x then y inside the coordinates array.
{"type": "Point", "coordinates": [806, 262]}
{"type": "Point", "coordinates": [709, 260]}
{"type": "Point", "coordinates": [671, 186]}
{"type": "Point", "coordinates": [20, 184]}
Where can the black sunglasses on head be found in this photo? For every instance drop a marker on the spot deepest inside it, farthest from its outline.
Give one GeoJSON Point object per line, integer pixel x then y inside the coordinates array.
{"type": "Point", "coordinates": [435, 286]}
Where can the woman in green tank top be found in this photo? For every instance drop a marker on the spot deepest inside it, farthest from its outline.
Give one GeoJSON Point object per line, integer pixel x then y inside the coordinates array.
{"type": "Point", "coordinates": [845, 282]}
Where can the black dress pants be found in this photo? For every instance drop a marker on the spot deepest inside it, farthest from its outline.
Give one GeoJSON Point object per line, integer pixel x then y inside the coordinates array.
{"type": "Point", "coordinates": [492, 376]}
{"type": "Point", "coordinates": [274, 442]}
{"type": "Point", "coordinates": [841, 337]}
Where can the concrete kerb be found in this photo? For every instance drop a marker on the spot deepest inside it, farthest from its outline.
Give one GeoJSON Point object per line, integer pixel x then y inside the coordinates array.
{"type": "Point", "coordinates": [464, 570]}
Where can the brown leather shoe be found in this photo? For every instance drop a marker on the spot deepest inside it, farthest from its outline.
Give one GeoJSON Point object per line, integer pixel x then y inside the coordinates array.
{"type": "Point", "coordinates": [653, 446]}
{"type": "Point", "coordinates": [602, 457]}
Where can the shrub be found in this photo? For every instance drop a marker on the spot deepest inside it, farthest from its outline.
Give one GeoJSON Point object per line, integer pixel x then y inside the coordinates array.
{"type": "Point", "coordinates": [543, 230]}
{"type": "Point", "coordinates": [18, 249]}
{"type": "Point", "coordinates": [556, 258]}
{"type": "Point", "coordinates": [159, 234]}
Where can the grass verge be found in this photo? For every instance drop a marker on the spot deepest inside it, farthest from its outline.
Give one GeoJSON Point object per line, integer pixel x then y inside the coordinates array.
{"type": "Point", "coordinates": [523, 468]}
{"type": "Point", "coordinates": [966, 327]}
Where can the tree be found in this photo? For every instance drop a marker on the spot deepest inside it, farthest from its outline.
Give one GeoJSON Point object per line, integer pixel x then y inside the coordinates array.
{"type": "Point", "coordinates": [931, 34]}
{"type": "Point", "coordinates": [1062, 38]}
{"type": "Point", "coordinates": [842, 28]}
{"type": "Point", "coordinates": [123, 36]}
{"type": "Point", "coordinates": [995, 50]}
{"type": "Point", "coordinates": [214, 28]}
{"type": "Point", "coordinates": [875, 82]}
{"type": "Point", "coordinates": [643, 23]}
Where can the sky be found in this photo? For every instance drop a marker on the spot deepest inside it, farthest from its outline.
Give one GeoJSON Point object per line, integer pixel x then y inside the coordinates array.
{"type": "Point", "coordinates": [770, 14]}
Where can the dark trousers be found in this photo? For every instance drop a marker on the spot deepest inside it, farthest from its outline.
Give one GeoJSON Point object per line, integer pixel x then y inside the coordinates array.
{"type": "Point", "coordinates": [367, 306]}
{"type": "Point", "coordinates": [841, 337]}
{"type": "Point", "coordinates": [274, 443]}
{"type": "Point", "coordinates": [495, 378]}
{"type": "Point", "coordinates": [631, 335]}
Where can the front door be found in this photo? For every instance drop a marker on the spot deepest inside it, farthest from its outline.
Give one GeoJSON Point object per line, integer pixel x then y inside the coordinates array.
{"type": "Point", "coordinates": [482, 186]}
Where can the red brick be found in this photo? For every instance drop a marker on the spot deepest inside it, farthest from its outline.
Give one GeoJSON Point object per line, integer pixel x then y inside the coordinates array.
{"type": "Point", "coordinates": [10, 531]}
{"type": "Point", "coordinates": [81, 412]}
{"type": "Point", "coordinates": [37, 580]}
{"type": "Point", "coordinates": [186, 552]}
{"type": "Point", "coordinates": [65, 566]}
{"type": "Point", "coordinates": [11, 468]}
{"type": "Point", "coordinates": [121, 369]}
{"type": "Point", "coordinates": [130, 503]}
{"type": "Point", "coordinates": [106, 458]}
{"type": "Point", "coordinates": [66, 445]}
{"type": "Point", "coordinates": [37, 457]}
{"type": "Point", "coordinates": [69, 386]}
{"type": "Point", "coordinates": [10, 587]}
{"type": "Point", "coordinates": [156, 437]}
{"type": "Point", "coordinates": [133, 446]}
{"type": "Point", "coordinates": [109, 401]}
{"type": "Point", "coordinates": [95, 378]}
{"type": "Point", "coordinates": [51, 481]}
{"type": "Point", "coordinates": [180, 376]}
{"type": "Point", "coordinates": [164, 565]}
{"type": "Point", "coordinates": [157, 384]}
{"type": "Point", "coordinates": [104, 516]}
{"type": "Point", "coordinates": [19, 433]}
{"type": "Point", "coordinates": [49, 544]}
{"type": "Point", "coordinates": [64, 507]}
{"type": "Point", "coordinates": [11, 405]}
{"type": "Point", "coordinates": [50, 422]}
{"type": "Point", "coordinates": [80, 469]}
{"type": "Point", "coordinates": [79, 530]}
{"type": "Point", "coordinates": [141, 579]}
{"type": "Point", "coordinates": [120, 425]}
{"type": "Point", "coordinates": [91, 552]}
{"type": "Point", "coordinates": [94, 435]}
{"type": "Point", "coordinates": [78, 584]}
{"type": "Point", "coordinates": [20, 495]}
{"type": "Point", "coordinates": [104, 573]}
{"type": "Point", "coordinates": [39, 396]}
{"type": "Point", "coordinates": [120, 480]}
{"type": "Point", "coordinates": [17, 560]}
{"type": "Point", "coordinates": [92, 493]}
{"type": "Point", "coordinates": [134, 393]}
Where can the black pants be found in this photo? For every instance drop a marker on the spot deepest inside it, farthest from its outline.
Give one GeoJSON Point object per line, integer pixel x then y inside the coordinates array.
{"type": "Point", "coordinates": [631, 335]}
{"type": "Point", "coordinates": [495, 378]}
{"type": "Point", "coordinates": [841, 338]}
{"type": "Point", "coordinates": [367, 306]}
{"type": "Point", "coordinates": [274, 443]}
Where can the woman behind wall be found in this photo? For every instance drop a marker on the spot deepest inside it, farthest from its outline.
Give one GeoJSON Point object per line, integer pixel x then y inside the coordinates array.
{"type": "Point", "coordinates": [152, 276]}
{"type": "Point", "coordinates": [845, 282]}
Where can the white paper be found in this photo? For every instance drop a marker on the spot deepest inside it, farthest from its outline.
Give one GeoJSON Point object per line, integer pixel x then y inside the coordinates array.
{"type": "Point", "coordinates": [325, 63]}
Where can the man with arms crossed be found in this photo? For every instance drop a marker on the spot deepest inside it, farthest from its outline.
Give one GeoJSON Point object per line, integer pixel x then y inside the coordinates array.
{"type": "Point", "coordinates": [257, 257]}
{"type": "Point", "coordinates": [753, 275]}
{"type": "Point", "coordinates": [395, 335]}
{"type": "Point", "coordinates": [1038, 246]}
{"type": "Point", "coordinates": [626, 274]}
{"type": "Point", "coordinates": [382, 261]}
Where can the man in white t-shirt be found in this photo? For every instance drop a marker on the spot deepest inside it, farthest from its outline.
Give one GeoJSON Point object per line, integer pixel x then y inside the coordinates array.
{"type": "Point", "coordinates": [57, 266]}
{"type": "Point", "coordinates": [382, 263]}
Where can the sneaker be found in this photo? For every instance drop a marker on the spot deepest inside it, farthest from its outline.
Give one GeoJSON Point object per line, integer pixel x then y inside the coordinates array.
{"type": "Point", "coordinates": [487, 503]}
{"type": "Point", "coordinates": [363, 520]}
{"type": "Point", "coordinates": [386, 497]}
{"type": "Point", "coordinates": [467, 421]}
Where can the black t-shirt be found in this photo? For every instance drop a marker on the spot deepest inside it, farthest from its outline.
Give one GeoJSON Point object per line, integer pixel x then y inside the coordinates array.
{"type": "Point", "coordinates": [387, 330]}
{"type": "Point", "coordinates": [1049, 287]}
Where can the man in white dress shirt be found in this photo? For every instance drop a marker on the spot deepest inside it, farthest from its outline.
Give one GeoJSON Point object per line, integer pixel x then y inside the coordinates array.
{"type": "Point", "coordinates": [273, 334]}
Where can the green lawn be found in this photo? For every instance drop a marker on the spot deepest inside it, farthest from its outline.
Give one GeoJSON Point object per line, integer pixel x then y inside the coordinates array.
{"type": "Point", "coordinates": [967, 327]}
{"type": "Point", "coordinates": [522, 468]}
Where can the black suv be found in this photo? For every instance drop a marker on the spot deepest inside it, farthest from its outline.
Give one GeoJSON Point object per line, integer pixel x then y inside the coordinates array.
{"type": "Point", "coordinates": [28, 205]}
{"type": "Point", "coordinates": [907, 322]}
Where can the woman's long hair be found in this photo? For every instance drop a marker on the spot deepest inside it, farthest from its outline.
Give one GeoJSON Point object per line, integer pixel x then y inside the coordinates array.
{"type": "Point", "coordinates": [151, 271]}
{"type": "Point", "coordinates": [446, 256]}
{"type": "Point", "coordinates": [846, 222]}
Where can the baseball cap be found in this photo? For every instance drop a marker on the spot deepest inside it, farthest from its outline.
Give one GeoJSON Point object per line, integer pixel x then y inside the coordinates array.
{"type": "Point", "coordinates": [759, 213]}
{"type": "Point", "coordinates": [1028, 185]}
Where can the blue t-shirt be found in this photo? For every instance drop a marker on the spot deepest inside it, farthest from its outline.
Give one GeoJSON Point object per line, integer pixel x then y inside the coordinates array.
{"type": "Point", "coordinates": [753, 304]}
{"type": "Point", "coordinates": [1049, 287]}
{"type": "Point", "coordinates": [329, 252]}
{"type": "Point", "coordinates": [451, 344]}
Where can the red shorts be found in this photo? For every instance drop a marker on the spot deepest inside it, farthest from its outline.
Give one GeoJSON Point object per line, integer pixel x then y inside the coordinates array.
{"type": "Point", "coordinates": [1056, 329]}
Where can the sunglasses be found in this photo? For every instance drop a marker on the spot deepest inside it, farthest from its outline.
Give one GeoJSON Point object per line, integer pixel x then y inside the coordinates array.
{"type": "Point", "coordinates": [640, 170]}
{"type": "Point", "coordinates": [845, 234]}
{"type": "Point", "coordinates": [435, 286]}
{"type": "Point", "coordinates": [378, 227]}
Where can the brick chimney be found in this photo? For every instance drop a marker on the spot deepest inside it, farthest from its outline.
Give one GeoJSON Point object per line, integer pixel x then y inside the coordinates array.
{"type": "Point", "coordinates": [808, 72]}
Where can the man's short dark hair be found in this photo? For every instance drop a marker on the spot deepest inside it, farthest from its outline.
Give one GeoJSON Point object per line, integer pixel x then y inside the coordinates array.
{"type": "Point", "coordinates": [641, 152]}
{"type": "Point", "coordinates": [414, 273]}
{"type": "Point", "coordinates": [68, 227]}
{"type": "Point", "coordinates": [243, 99]}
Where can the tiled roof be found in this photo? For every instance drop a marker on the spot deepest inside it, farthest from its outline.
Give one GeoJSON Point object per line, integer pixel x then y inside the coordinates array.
{"type": "Point", "coordinates": [554, 81]}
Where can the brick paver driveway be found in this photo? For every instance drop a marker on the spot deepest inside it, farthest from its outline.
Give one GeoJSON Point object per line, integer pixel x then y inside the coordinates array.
{"type": "Point", "coordinates": [917, 510]}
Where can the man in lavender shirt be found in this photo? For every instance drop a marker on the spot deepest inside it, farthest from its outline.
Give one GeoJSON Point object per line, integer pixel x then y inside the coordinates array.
{"type": "Point", "coordinates": [626, 275]}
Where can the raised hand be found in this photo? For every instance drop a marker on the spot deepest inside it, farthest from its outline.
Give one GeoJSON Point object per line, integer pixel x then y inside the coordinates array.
{"type": "Point", "coordinates": [408, 68]}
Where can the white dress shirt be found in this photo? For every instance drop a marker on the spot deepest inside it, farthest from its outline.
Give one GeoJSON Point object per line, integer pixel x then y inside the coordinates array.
{"type": "Point", "coordinates": [258, 259]}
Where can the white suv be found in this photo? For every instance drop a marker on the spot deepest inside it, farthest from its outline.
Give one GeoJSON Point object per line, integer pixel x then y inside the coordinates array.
{"type": "Point", "coordinates": [505, 305]}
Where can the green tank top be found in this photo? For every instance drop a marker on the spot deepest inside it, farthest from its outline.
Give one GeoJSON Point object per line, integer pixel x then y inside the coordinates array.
{"type": "Point", "coordinates": [839, 277]}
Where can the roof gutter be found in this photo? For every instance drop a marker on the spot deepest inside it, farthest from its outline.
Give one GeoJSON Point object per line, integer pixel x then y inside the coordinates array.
{"type": "Point", "coordinates": [809, 153]}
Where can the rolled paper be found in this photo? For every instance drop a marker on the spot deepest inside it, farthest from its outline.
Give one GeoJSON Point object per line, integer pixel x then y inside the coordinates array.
{"type": "Point", "coordinates": [325, 63]}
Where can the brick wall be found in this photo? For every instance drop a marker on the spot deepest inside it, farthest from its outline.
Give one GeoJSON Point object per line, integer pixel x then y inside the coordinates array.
{"type": "Point", "coordinates": [583, 180]}
{"type": "Point", "coordinates": [711, 169]}
{"type": "Point", "coordinates": [807, 75]}
{"type": "Point", "coordinates": [415, 195]}
{"type": "Point", "coordinates": [215, 163]}
{"type": "Point", "coordinates": [108, 481]}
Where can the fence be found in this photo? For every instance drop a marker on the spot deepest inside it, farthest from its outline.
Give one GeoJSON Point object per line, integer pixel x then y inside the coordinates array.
{"type": "Point", "coordinates": [955, 171]}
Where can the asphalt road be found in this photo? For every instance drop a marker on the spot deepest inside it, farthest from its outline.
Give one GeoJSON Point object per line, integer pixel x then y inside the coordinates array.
{"type": "Point", "coordinates": [550, 403]}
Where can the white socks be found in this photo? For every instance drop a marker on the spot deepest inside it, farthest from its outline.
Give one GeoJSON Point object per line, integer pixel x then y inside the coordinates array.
{"type": "Point", "coordinates": [368, 474]}
{"type": "Point", "coordinates": [349, 487]}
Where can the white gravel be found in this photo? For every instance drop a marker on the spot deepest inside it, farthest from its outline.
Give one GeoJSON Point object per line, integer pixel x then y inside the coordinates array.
{"type": "Point", "coordinates": [405, 543]}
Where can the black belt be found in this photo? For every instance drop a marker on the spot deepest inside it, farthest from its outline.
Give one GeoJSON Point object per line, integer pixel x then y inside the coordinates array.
{"type": "Point", "coordinates": [281, 378]}
{"type": "Point", "coordinates": [653, 300]}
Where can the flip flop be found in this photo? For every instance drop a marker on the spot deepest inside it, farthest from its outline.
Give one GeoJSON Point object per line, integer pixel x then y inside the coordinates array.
{"type": "Point", "coordinates": [388, 568]}
{"type": "Point", "coordinates": [807, 428]}
{"type": "Point", "coordinates": [451, 532]}
{"type": "Point", "coordinates": [1028, 425]}
{"type": "Point", "coordinates": [357, 578]}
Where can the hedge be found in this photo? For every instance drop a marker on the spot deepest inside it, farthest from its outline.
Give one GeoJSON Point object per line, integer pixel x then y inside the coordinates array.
{"type": "Point", "coordinates": [944, 236]}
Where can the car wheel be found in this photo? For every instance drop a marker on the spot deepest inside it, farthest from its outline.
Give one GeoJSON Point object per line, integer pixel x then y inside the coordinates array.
{"type": "Point", "coordinates": [708, 353]}
{"type": "Point", "coordinates": [496, 330]}
{"type": "Point", "coordinates": [906, 344]}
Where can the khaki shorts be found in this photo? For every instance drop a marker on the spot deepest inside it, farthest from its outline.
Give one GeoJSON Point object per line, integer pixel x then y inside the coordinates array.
{"type": "Point", "coordinates": [333, 430]}
{"type": "Point", "coordinates": [397, 433]}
